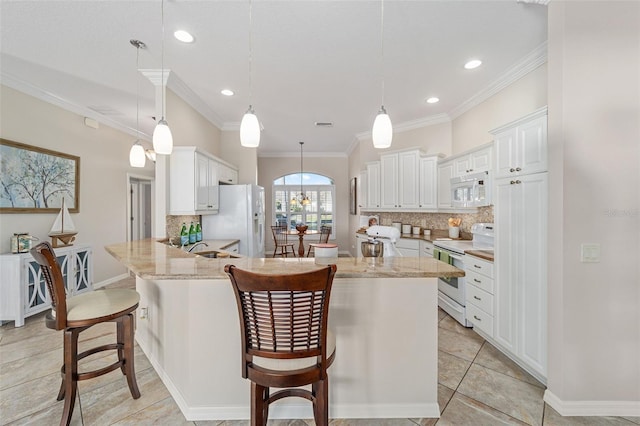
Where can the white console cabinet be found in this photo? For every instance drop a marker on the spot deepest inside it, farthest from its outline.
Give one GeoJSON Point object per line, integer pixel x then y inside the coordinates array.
{"type": "Point", "coordinates": [23, 290]}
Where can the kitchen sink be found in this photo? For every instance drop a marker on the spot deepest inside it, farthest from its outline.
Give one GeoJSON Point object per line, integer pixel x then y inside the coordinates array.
{"type": "Point", "coordinates": [214, 254]}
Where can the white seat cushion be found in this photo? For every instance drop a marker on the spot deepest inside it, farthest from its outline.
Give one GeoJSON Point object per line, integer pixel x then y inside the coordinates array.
{"type": "Point", "coordinates": [294, 364]}
{"type": "Point", "coordinates": [100, 303]}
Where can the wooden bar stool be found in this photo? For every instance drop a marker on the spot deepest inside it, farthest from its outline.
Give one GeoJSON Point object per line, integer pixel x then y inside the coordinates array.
{"type": "Point", "coordinates": [284, 336]}
{"type": "Point", "coordinates": [78, 313]}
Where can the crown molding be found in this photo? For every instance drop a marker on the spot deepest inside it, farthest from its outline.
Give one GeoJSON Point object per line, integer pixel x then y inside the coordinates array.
{"type": "Point", "coordinates": [189, 96]}
{"type": "Point", "coordinates": [532, 61]}
{"type": "Point", "coordinates": [157, 77]}
{"type": "Point", "coordinates": [22, 86]}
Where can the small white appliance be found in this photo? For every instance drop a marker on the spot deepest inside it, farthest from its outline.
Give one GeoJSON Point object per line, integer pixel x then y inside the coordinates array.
{"type": "Point", "coordinates": [451, 291]}
{"type": "Point", "coordinates": [240, 217]}
{"type": "Point", "coordinates": [472, 190]}
{"type": "Point", "coordinates": [388, 235]}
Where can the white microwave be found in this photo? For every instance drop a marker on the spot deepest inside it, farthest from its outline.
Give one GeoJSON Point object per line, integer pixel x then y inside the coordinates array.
{"type": "Point", "coordinates": [472, 190]}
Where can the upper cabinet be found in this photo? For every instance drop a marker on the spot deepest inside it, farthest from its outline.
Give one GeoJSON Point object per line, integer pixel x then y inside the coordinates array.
{"type": "Point", "coordinates": [373, 187]}
{"type": "Point", "coordinates": [363, 188]}
{"type": "Point", "coordinates": [474, 161]}
{"type": "Point", "coordinates": [521, 146]}
{"type": "Point", "coordinates": [227, 175]}
{"type": "Point", "coordinates": [193, 181]}
{"type": "Point", "coordinates": [399, 185]}
{"type": "Point", "coordinates": [402, 181]}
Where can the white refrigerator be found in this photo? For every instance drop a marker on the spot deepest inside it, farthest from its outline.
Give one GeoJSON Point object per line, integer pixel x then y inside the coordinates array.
{"type": "Point", "coordinates": [240, 217]}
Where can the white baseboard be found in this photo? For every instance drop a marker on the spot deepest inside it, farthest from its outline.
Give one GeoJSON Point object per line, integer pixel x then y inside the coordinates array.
{"type": "Point", "coordinates": [111, 280]}
{"type": "Point", "coordinates": [592, 408]}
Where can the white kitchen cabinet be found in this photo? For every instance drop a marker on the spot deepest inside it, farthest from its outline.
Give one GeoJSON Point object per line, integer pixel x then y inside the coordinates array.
{"type": "Point", "coordinates": [445, 173]}
{"type": "Point", "coordinates": [373, 184]}
{"type": "Point", "coordinates": [408, 247]}
{"type": "Point", "coordinates": [426, 248]}
{"type": "Point", "coordinates": [193, 182]}
{"type": "Point", "coordinates": [227, 175]}
{"type": "Point", "coordinates": [428, 183]}
{"type": "Point", "coordinates": [399, 180]}
{"type": "Point", "coordinates": [520, 282]}
{"type": "Point", "coordinates": [521, 146]}
{"type": "Point", "coordinates": [475, 161]}
{"type": "Point", "coordinates": [363, 188]}
{"type": "Point", "coordinates": [23, 289]}
{"type": "Point", "coordinates": [480, 293]}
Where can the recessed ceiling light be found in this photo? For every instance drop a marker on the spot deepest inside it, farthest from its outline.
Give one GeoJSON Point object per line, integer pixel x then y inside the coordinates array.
{"type": "Point", "coordinates": [433, 100]}
{"type": "Point", "coordinates": [183, 36]}
{"type": "Point", "coordinates": [227, 92]}
{"type": "Point", "coordinates": [474, 63]}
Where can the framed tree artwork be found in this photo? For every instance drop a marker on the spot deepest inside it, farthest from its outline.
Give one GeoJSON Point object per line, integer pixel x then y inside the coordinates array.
{"type": "Point", "coordinates": [36, 180]}
{"type": "Point", "coordinates": [353, 199]}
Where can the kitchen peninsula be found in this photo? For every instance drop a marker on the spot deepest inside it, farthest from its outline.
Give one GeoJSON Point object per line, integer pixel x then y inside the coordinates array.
{"type": "Point", "coordinates": [383, 312]}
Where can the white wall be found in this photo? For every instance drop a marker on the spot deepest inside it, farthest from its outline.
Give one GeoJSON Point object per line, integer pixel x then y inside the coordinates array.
{"type": "Point", "coordinates": [189, 127]}
{"type": "Point", "coordinates": [270, 168]}
{"type": "Point", "coordinates": [594, 181]}
{"type": "Point", "coordinates": [104, 163]}
{"type": "Point", "coordinates": [245, 158]}
{"type": "Point", "coordinates": [523, 96]}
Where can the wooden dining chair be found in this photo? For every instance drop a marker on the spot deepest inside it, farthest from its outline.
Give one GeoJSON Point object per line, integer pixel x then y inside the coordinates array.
{"type": "Point", "coordinates": [78, 313]}
{"type": "Point", "coordinates": [325, 232]}
{"type": "Point", "coordinates": [284, 337]}
{"type": "Point", "coordinates": [280, 238]}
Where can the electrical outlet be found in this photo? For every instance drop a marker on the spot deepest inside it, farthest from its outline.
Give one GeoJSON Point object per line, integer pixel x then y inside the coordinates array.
{"type": "Point", "coordinates": [144, 313]}
{"type": "Point", "coordinates": [590, 253]}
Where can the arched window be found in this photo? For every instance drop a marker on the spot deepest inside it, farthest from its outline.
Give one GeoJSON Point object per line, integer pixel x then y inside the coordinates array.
{"type": "Point", "coordinates": [287, 206]}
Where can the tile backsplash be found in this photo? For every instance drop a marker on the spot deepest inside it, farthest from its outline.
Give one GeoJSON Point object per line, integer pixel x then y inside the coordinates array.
{"type": "Point", "coordinates": [174, 223]}
{"type": "Point", "coordinates": [435, 220]}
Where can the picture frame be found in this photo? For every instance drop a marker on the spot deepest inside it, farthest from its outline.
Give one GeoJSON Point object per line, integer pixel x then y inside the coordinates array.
{"type": "Point", "coordinates": [35, 180]}
{"type": "Point", "coordinates": [353, 199]}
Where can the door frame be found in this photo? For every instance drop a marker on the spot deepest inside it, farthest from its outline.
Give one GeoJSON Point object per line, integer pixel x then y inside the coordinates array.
{"type": "Point", "coordinates": [151, 180]}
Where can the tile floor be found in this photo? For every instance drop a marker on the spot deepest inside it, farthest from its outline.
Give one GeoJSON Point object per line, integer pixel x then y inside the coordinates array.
{"type": "Point", "coordinates": [477, 386]}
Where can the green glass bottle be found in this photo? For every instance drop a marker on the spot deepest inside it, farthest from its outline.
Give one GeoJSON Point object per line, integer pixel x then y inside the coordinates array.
{"type": "Point", "coordinates": [184, 235]}
{"type": "Point", "coordinates": [198, 232]}
{"type": "Point", "coordinates": [192, 234]}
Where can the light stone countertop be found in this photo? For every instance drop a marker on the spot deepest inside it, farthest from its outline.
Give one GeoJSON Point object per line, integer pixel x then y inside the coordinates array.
{"type": "Point", "coordinates": [151, 260]}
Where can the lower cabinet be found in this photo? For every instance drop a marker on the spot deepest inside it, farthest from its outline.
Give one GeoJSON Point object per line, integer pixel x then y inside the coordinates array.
{"type": "Point", "coordinates": [408, 247]}
{"type": "Point", "coordinates": [479, 293]}
{"type": "Point", "coordinates": [23, 290]}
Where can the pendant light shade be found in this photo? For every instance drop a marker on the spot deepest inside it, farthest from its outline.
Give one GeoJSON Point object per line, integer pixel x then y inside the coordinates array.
{"type": "Point", "coordinates": [250, 129]}
{"type": "Point", "coordinates": [382, 133]}
{"type": "Point", "coordinates": [137, 157]}
{"type": "Point", "coordinates": [249, 126]}
{"type": "Point", "coordinates": [162, 138]}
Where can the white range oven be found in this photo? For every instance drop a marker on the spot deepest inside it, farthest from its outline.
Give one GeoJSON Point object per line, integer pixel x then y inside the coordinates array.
{"type": "Point", "coordinates": [452, 291]}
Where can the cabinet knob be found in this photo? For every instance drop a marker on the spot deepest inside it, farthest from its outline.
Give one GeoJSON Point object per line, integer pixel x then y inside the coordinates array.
{"type": "Point", "coordinates": [476, 317]}
{"type": "Point", "coordinates": [476, 266]}
{"type": "Point", "coordinates": [512, 182]}
{"type": "Point", "coordinates": [518, 169]}
{"type": "Point", "coordinates": [477, 298]}
{"type": "Point", "coordinates": [518, 182]}
{"type": "Point", "coordinates": [512, 170]}
{"type": "Point", "coordinates": [477, 280]}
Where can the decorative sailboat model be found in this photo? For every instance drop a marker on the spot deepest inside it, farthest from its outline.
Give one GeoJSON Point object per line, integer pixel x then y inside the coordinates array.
{"type": "Point", "coordinates": [63, 231]}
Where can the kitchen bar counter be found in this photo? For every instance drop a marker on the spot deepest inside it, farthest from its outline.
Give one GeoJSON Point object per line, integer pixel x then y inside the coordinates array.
{"type": "Point", "coordinates": [149, 259]}
{"type": "Point", "coordinates": [383, 312]}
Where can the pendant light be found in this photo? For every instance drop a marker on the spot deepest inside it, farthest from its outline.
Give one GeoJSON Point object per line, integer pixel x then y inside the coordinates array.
{"type": "Point", "coordinates": [301, 198]}
{"type": "Point", "coordinates": [249, 126]}
{"type": "Point", "coordinates": [137, 157]}
{"type": "Point", "coordinates": [162, 138]}
{"type": "Point", "coordinates": [382, 132]}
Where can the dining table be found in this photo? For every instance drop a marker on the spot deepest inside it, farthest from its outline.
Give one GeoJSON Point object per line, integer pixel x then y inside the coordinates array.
{"type": "Point", "coordinates": [301, 233]}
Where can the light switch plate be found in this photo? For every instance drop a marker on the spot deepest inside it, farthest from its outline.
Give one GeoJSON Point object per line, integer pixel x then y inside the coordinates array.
{"type": "Point", "coordinates": [590, 253]}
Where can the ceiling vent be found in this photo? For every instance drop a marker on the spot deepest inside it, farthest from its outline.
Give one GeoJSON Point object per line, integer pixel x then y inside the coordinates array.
{"type": "Point", "coordinates": [324, 124]}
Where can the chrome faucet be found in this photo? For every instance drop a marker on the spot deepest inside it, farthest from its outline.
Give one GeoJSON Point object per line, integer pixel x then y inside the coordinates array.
{"type": "Point", "coordinates": [196, 245]}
